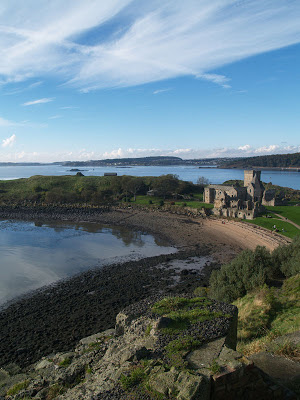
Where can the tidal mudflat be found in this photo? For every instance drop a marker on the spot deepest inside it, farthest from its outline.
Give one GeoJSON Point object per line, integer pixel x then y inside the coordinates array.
{"type": "Point", "coordinates": [57, 317]}
{"type": "Point", "coordinates": [35, 254]}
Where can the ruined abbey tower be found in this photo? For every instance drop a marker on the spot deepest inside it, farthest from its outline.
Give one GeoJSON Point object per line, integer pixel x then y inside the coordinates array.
{"type": "Point", "coordinates": [244, 202]}
{"type": "Point", "coordinates": [255, 188]}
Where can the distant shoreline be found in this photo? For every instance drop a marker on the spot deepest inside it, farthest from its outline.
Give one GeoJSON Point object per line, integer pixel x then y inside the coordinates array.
{"type": "Point", "coordinates": [295, 169]}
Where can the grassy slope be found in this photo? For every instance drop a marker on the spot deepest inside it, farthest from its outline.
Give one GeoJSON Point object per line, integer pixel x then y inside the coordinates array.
{"type": "Point", "coordinates": [144, 200]}
{"type": "Point", "coordinates": [267, 313]}
{"type": "Point", "coordinates": [290, 212]}
{"type": "Point", "coordinates": [289, 230]}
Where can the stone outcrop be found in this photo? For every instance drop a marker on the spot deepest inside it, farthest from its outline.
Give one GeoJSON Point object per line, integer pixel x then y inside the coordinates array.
{"type": "Point", "coordinates": [178, 348]}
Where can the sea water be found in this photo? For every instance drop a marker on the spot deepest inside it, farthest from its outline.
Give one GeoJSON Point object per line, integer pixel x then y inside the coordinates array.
{"type": "Point", "coordinates": [188, 173]}
{"type": "Point", "coordinates": [36, 254]}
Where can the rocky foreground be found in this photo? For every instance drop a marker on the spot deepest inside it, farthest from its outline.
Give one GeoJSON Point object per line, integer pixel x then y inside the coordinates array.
{"type": "Point", "coordinates": [161, 348]}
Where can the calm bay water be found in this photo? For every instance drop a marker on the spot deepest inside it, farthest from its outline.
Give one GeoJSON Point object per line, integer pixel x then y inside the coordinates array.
{"type": "Point", "coordinates": [33, 254]}
{"type": "Point", "coordinates": [187, 173]}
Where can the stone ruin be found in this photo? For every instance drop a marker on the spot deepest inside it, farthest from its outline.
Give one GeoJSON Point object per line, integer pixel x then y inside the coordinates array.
{"type": "Point", "coordinates": [244, 202]}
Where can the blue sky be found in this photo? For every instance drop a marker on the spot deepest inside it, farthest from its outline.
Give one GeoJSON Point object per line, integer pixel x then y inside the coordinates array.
{"type": "Point", "coordinates": [131, 78]}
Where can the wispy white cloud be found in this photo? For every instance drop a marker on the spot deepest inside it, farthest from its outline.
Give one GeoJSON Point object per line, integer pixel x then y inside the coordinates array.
{"type": "Point", "coordinates": [35, 84]}
{"type": "Point", "coordinates": [18, 90]}
{"type": "Point", "coordinates": [38, 101]}
{"type": "Point", "coordinates": [216, 78]}
{"type": "Point", "coordinates": [55, 117]}
{"type": "Point", "coordinates": [158, 91]}
{"type": "Point", "coordinates": [68, 108]}
{"type": "Point", "coordinates": [155, 40]}
{"type": "Point", "coordinates": [9, 142]}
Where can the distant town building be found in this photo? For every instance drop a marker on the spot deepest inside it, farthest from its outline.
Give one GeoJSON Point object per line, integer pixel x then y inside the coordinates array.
{"type": "Point", "coordinates": [244, 202]}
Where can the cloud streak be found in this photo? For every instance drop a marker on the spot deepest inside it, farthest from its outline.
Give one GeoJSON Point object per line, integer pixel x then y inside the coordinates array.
{"type": "Point", "coordinates": [38, 101]}
{"type": "Point", "coordinates": [9, 142]}
{"type": "Point", "coordinates": [154, 40]}
{"type": "Point", "coordinates": [158, 91]}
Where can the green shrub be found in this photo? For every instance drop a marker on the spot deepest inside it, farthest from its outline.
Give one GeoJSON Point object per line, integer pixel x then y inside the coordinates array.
{"type": "Point", "coordinates": [286, 259]}
{"type": "Point", "coordinates": [161, 203]}
{"type": "Point", "coordinates": [247, 271]}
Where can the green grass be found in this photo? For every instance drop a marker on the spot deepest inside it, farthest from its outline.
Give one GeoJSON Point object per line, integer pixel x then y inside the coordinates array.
{"type": "Point", "coordinates": [215, 367]}
{"type": "Point", "coordinates": [267, 313]}
{"type": "Point", "coordinates": [171, 304]}
{"type": "Point", "coordinates": [17, 388]}
{"type": "Point", "coordinates": [185, 343]}
{"type": "Point", "coordinates": [289, 230]}
{"type": "Point", "coordinates": [65, 363]}
{"type": "Point", "coordinates": [144, 201]}
{"type": "Point", "coordinates": [183, 312]}
{"type": "Point", "coordinates": [290, 212]}
{"type": "Point", "coordinates": [198, 196]}
{"type": "Point", "coordinates": [178, 348]}
{"type": "Point", "coordinates": [135, 378]}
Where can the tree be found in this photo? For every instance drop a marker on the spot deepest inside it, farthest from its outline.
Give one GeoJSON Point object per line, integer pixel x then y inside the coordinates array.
{"type": "Point", "coordinates": [132, 185]}
{"type": "Point", "coordinates": [166, 185]}
{"type": "Point", "coordinates": [202, 181]}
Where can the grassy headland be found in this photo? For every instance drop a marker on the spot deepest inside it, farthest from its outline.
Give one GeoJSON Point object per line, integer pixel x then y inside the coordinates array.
{"type": "Point", "coordinates": [101, 190]}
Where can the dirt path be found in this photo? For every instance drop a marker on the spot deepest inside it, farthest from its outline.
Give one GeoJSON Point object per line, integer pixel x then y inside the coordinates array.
{"type": "Point", "coordinates": [287, 220]}
{"type": "Point", "coordinates": [247, 236]}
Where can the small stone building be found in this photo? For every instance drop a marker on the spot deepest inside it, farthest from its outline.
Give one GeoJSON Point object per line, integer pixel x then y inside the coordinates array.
{"type": "Point", "coordinates": [244, 202]}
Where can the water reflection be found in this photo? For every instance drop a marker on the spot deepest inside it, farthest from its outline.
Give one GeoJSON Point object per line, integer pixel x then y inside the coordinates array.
{"type": "Point", "coordinates": [34, 254]}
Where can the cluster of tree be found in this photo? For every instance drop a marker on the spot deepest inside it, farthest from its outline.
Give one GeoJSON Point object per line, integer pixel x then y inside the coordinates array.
{"type": "Point", "coordinates": [271, 161]}
{"type": "Point", "coordinates": [93, 190]}
{"type": "Point", "coordinates": [252, 269]}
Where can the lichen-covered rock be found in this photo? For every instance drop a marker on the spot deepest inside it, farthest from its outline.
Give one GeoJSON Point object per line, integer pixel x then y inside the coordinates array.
{"type": "Point", "coordinates": [164, 382]}
{"type": "Point", "coordinates": [192, 387]}
{"type": "Point", "coordinates": [141, 351]}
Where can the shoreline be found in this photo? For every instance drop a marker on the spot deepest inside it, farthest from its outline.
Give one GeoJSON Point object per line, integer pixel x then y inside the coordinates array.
{"type": "Point", "coordinates": [54, 318]}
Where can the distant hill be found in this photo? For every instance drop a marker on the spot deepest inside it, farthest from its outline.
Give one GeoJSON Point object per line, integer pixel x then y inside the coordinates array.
{"type": "Point", "coordinates": [147, 161]}
{"type": "Point", "coordinates": [271, 161]}
{"type": "Point", "coordinates": [162, 160]}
